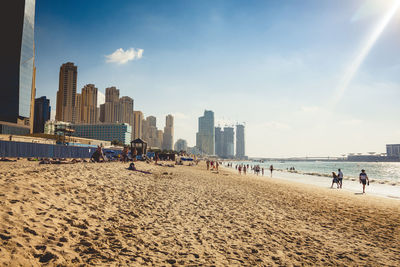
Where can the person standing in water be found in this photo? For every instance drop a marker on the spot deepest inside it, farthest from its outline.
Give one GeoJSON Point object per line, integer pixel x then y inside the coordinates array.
{"type": "Point", "coordinates": [271, 168]}
{"type": "Point", "coordinates": [340, 178]}
{"type": "Point", "coordinates": [364, 179]}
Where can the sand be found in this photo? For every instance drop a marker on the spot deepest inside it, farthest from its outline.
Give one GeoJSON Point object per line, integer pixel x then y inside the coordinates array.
{"type": "Point", "coordinates": [103, 214]}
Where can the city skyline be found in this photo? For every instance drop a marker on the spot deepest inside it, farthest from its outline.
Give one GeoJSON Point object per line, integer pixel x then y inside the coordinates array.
{"type": "Point", "coordinates": [306, 77]}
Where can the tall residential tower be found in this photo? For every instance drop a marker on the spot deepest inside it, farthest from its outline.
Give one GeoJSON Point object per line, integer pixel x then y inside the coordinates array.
{"type": "Point", "coordinates": [66, 108]}
{"type": "Point", "coordinates": [205, 137]}
{"type": "Point", "coordinates": [240, 143]}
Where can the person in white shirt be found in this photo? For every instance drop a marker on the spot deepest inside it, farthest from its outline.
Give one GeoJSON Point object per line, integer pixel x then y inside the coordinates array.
{"type": "Point", "coordinates": [340, 177]}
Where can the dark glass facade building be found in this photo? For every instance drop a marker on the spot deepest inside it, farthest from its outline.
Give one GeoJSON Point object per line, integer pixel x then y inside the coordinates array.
{"type": "Point", "coordinates": [42, 114]}
{"type": "Point", "coordinates": [17, 19]}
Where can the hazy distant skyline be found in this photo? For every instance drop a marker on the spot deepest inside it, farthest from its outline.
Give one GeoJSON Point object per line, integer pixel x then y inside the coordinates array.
{"type": "Point", "coordinates": [309, 78]}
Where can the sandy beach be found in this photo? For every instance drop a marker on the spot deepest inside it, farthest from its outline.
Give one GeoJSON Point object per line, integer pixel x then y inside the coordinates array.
{"type": "Point", "coordinates": [104, 214]}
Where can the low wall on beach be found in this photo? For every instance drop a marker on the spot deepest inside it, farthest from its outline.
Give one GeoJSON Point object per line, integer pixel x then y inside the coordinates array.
{"type": "Point", "coordinates": [35, 150]}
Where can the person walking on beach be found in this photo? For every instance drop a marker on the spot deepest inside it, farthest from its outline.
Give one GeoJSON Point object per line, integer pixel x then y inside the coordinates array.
{"type": "Point", "coordinates": [244, 169]}
{"type": "Point", "coordinates": [335, 180]}
{"type": "Point", "coordinates": [216, 165]}
{"type": "Point", "coordinates": [340, 178]}
{"type": "Point", "coordinates": [262, 171]}
{"type": "Point", "coordinates": [240, 169]}
{"type": "Point", "coordinates": [208, 164]}
{"type": "Point", "coordinates": [271, 168]}
{"type": "Point", "coordinates": [364, 179]}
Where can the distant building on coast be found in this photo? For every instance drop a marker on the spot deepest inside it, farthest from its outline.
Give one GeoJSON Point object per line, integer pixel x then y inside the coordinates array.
{"type": "Point", "coordinates": [240, 142]}
{"type": "Point", "coordinates": [393, 150]}
{"type": "Point", "coordinates": [205, 137]}
{"type": "Point", "coordinates": [66, 108]}
{"type": "Point", "coordinates": [224, 142]}
{"type": "Point", "coordinates": [42, 114]}
{"type": "Point", "coordinates": [17, 67]}
{"type": "Point", "coordinates": [121, 132]}
{"type": "Point", "coordinates": [181, 145]}
{"type": "Point", "coordinates": [229, 142]}
{"type": "Point", "coordinates": [219, 142]}
{"type": "Point", "coordinates": [168, 136]}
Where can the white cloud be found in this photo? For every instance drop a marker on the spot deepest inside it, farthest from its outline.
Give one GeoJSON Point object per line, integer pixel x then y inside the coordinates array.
{"type": "Point", "coordinates": [121, 57]}
{"type": "Point", "coordinates": [276, 125]}
{"type": "Point", "coordinates": [309, 108]}
{"type": "Point", "coordinates": [351, 122]}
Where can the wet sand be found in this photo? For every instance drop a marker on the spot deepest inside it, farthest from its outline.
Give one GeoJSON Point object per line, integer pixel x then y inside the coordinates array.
{"type": "Point", "coordinates": [105, 214]}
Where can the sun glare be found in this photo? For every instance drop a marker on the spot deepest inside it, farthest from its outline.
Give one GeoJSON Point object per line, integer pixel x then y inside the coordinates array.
{"type": "Point", "coordinates": [366, 48]}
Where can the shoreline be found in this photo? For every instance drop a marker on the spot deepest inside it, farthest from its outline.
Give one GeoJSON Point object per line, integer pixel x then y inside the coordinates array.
{"type": "Point", "coordinates": [88, 213]}
{"type": "Point", "coordinates": [349, 184]}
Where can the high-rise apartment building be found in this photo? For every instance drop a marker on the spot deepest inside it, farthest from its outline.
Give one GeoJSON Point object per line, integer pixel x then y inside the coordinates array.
{"type": "Point", "coordinates": [17, 70]}
{"type": "Point", "coordinates": [112, 94]}
{"type": "Point", "coordinates": [240, 141]}
{"type": "Point", "coordinates": [126, 111]}
{"type": "Point", "coordinates": [205, 137]}
{"type": "Point", "coordinates": [111, 107]}
{"type": "Point", "coordinates": [229, 142]}
{"type": "Point", "coordinates": [160, 139]}
{"type": "Point", "coordinates": [150, 133]}
{"type": "Point", "coordinates": [137, 124]}
{"type": "Point", "coordinates": [88, 105]}
{"type": "Point", "coordinates": [42, 114]}
{"type": "Point", "coordinates": [168, 137]}
{"type": "Point", "coordinates": [78, 108]}
{"type": "Point", "coordinates": [219, 142]}
{"type": "Point", "coordinates": [224, 142]}
{"type": "Point", "coordinates": [66, 95]}
{"type": "Point", "coordinates": [152, 121]}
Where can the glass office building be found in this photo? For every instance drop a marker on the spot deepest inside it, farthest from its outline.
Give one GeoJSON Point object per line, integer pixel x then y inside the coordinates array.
{"type": "Point", "coordinates": [17, 20]}
{"type": "Point", "coordinates": [108, 131]}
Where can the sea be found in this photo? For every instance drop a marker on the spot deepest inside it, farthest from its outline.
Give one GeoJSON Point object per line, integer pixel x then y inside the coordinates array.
{"type": "Point", "coordinates": [384, 176]}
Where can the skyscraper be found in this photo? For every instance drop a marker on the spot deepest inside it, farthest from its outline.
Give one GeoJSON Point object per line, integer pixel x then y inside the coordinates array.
{"type": "Point", "coordinates": [240, 143]}
{"type": "Point", "coordinates": [111, 106]}
{"type": "Point", "coordinates": [17, 71]}
{"type": "Point", "coordinates": [137, 124]}
{"type": "Point", "coordinates": [168, 137]}
{"type": "Point", "coordinates": [149, 133]}
{"type": "Point", "coordinates": [152, 121]}
{"type": "Point", "coordinates": [88, 106]}
{"type": "Point", "coordinates": [78, 108]}
{"type": "Point", "coordinates": [42, 114]}
{"type": "Point", "coordinates": [229, 142]}
{"type": "Point", "coordinates": [66, 95]}
{"type": "Point", "coordinates": [205, 137]}
{"type": "Point", "coordinates": [219, 142]}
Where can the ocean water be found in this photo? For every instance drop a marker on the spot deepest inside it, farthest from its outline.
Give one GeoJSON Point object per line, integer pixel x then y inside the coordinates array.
{"type": "Point", "coordinates": [384, 176]}
{"type": "Point", "coordinates": [378, 172]}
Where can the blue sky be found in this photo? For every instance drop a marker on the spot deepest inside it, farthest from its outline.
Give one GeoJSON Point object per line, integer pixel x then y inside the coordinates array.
{"type": "Point", "coordinates": [276, 65]}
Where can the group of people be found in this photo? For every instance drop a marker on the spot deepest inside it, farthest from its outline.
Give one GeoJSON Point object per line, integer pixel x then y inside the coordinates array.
{"type": "Point", "coordinates": [338, 179]}
{"type": "Point", "coordinates": [255, 168]}
{"type": "Point", "coordinates": [98, 155]}
{"type": "Point", "coordinates": [212, 164]}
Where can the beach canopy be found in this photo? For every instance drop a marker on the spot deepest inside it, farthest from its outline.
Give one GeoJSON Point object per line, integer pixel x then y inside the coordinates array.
{"type": "Point", "coordinates": [138, 147]}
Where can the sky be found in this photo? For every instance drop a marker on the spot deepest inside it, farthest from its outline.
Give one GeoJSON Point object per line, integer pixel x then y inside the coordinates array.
{"type": "Point", "coordinates": [308, 78]}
